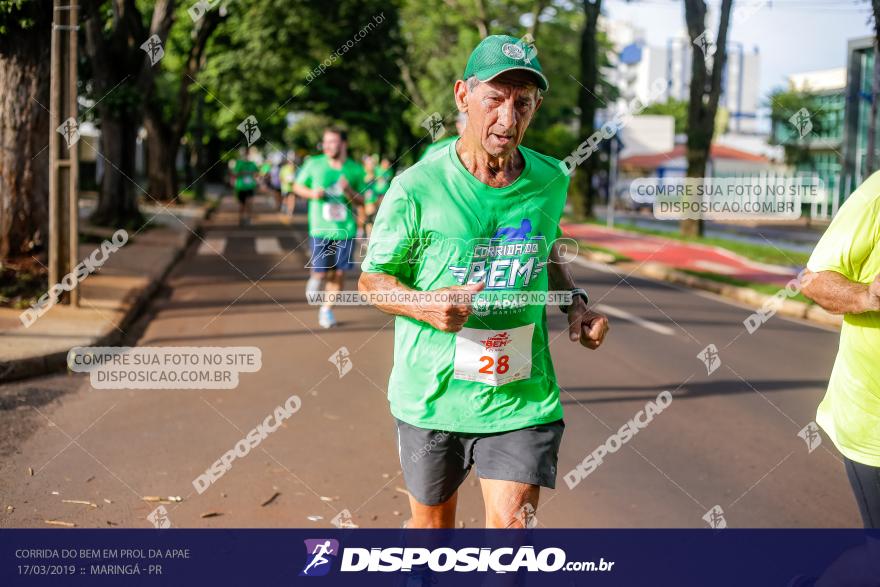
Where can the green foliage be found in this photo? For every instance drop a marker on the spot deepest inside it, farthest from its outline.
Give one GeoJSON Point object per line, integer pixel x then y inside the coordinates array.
{"type": "Point", "coordinates": [785, 104]}
{"type": "Point", "coordinates": [263, 61]}
{"type": "Point", "coordinates": [677, 109]}
{"type": "Point", "coordinates": [17, 15]}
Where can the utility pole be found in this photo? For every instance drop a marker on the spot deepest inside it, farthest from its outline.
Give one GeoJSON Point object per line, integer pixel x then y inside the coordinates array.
{"type": "Point", "coordinates": [63, 148]}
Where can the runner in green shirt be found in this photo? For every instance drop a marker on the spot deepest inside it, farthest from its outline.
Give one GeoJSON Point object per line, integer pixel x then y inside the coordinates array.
{"type": "Point", "coordinates": [844, 279]}
{"type": "Point", "coordinates": [378, 181]}
{"type": "Point", "coordinates": [244, 181]}
{"type": "Point", "coordinates": [472, 381]}
{"type": "Point", "coordinates": [287, 176]}
{"type": "Point", "coordinates": [333, 184]}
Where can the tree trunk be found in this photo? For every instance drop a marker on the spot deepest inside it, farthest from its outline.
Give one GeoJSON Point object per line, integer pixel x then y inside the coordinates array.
{"type": "Point", "coordinates": [119, 67]}
{"type": "Point", "coordinates": [24, 135]}
{"type": "Point", "coordinates": [199, 154]}
{"type": "Point", "coordinates": [587, 101]}
{"type": "Point", "coordinates": [118, 200]}
{"type": "Point", "coordinates": [704, 94]}
{"type": "Point", "coordinates": [162, 146]}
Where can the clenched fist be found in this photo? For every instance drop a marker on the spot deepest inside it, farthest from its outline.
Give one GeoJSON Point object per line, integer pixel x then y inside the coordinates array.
{"type": "Point", "coordinates": [448, 314]}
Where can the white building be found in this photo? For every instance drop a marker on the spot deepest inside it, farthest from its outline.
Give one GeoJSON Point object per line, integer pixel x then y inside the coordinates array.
{"type": "Point", "coordinates": [637, 65]}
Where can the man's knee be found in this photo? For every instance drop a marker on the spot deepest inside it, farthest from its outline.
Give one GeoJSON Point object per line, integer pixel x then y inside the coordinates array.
{"type": "Point", "coordinates": [512, 506]}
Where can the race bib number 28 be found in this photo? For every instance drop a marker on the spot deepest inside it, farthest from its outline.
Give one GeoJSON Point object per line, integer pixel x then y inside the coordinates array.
{"type": "Point", "coordinates": [333, 211]}
{"type": "Point", "coordinates": [494, 357]}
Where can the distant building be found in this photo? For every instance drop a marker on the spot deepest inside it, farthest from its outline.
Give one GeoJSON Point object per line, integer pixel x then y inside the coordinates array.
{"type": "Point", "coordinates": [647, 134]}
{"type": "Point", "coordinates": [638, 65]}
{"type": "Point", "coordinates": [857, 97]}
{"type": "Point", "coordinates": [723, 161]}
{"type": "Point", "coordinates": [823, 135]}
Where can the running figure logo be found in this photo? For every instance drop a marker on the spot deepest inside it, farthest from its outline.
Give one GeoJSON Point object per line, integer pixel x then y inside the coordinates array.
{"type": "Point", "coordinates": [250, 129]}
{"type": "Point", "coordinates": [801, 121]}
{"type": "Point", "coordinates": [154, 50]}
{"type": "Point", "coordinates": [319, 554]}
{"type": "Point", "coordinates": [69, 129]}
{"type": "Point", "coordinates": [810, 435]}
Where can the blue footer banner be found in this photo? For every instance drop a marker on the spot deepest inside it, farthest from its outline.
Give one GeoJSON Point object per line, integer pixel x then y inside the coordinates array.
{"type": "Point", "coordinates": [784, 558]}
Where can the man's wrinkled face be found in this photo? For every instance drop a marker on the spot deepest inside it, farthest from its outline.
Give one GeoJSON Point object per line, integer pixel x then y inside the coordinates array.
{"type": "Point", "coordinates": [331, 145]}
{"type": "Point", "coordinates": [499, 111]}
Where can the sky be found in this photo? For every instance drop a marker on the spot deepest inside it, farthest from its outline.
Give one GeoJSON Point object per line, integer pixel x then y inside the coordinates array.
{"type": "Point", "coordinates": [793, 36]}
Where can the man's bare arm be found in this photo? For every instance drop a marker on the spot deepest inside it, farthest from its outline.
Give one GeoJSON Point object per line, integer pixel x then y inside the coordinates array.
{"type": "Point", "coordinates": [584, 325]}
{"type": "Point", "coordinates": [838, 295]}
{"type": "Point", "coordinates": [307, 192]}
{"type": "Point", "coordinates": [558, 272]}
{"type": "Point", "coordinates": [448, 316]}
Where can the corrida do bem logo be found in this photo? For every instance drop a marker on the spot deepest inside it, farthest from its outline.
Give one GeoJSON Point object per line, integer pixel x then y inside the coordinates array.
{"type": "Point", "coordinates": [511, 260]}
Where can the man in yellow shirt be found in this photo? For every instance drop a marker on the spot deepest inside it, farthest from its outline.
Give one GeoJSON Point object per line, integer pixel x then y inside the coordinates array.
{"type": "Point", "coordinates": [844, 278]}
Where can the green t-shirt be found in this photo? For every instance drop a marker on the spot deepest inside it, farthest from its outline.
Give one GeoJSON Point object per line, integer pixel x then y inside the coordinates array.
{"type": "Point", "coordinates": [244, 171]}
{"type": "Point", "coordinates": [331, 217]}
{"type": "Point", "coordinates": [434, 147]}
{"type": "Point", "coordinates": [850, 412]}
{"type": "Point", "coordinates": [439, 226]}
{"type": "Point", "coordinates": [379, 186]}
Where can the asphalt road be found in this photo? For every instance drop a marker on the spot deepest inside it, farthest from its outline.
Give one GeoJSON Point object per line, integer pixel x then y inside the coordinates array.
{"type": "Point", "coordinates": [728, 439]}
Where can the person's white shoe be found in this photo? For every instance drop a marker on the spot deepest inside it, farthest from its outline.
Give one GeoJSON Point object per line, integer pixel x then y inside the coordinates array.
{"type": "Point", "coordinates": [326, 318]}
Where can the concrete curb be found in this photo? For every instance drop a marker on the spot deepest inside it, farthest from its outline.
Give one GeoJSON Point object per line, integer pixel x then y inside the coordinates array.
{"type": "Point", "coordinates": [130, 308]}
{"type": "Point", "coordinates": [744, 295]}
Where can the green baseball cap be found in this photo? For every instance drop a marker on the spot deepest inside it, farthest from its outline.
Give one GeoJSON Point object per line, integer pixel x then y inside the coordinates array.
{"type": "Point", "coordinates": [499, 53]}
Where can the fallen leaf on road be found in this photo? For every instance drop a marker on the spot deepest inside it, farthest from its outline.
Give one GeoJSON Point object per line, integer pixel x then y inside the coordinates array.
{"type": "Point", "coordinates": [272, 498]}
{"type": "Point", "coordinates": [60, 523]}
{"type": "Point", "coordinates": [211, 514]}
{"type": "Point", "coordinates": [90, 478]}
{"type": "Point", "coordinates": [80, 501]}
{"type": "Point", "coordinates": [30, 472]}
{"type": "Point", "coordinates": [396, 513]}
{"type": "Point", "coordinates": [10, 509]}
{"type": "Point", "coordinates": [314, 518]}
{"type": "Point", "coordinates": [107, 500]}
{"type": "Point", "coordinates": [109, 523]}
{"type": "Point", "coordinates": [323, 498]}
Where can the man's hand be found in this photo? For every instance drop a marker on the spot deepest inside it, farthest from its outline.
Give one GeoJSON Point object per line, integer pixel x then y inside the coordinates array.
{"type": "Point", "coordinates": [450, 314]}
{"type": "Point", "coordinates": [874, 295]}
{"type": "Point", "coordinates": [317, 193]}
{"type": "Point", "coordinates": [585, 325]}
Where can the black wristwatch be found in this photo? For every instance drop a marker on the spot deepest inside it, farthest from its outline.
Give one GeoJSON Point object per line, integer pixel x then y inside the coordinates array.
{"type": "Point", "coordinates": [577, 292]}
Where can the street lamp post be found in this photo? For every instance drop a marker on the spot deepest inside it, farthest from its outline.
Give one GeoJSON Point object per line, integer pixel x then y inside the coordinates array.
{"type": "Point", "coordinates": [63, 154]}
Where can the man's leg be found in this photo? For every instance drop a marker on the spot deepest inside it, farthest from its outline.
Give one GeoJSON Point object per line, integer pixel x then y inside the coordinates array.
{"type": "Point", "coordinates": [865, 483]}
{"type": "Point", "coordinates": [509, 504]}
{"type": "Point", "coordinates": [335, 281]}
{"type": "Point", "coordinates": [433, 516]}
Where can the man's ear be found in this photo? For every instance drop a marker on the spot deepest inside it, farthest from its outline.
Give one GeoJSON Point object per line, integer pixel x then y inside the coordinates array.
{"type": "Point", "coordinates": [461, 93]}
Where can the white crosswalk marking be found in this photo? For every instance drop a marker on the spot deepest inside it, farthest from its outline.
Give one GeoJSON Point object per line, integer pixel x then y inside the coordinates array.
{"type": "Point", "coordinates": [212, 246]}
{"type": "Point", "coordinates": [268, 246]}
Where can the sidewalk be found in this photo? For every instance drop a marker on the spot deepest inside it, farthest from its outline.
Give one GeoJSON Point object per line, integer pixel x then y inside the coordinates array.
{"type": "Point", "coordinates": [680, 255]}
{"type": "Point", "coordinates": [109, 298]}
